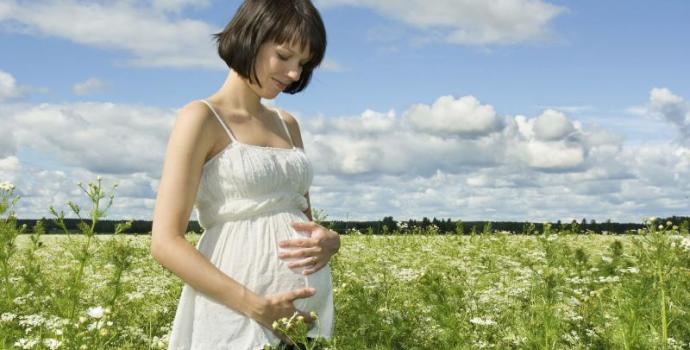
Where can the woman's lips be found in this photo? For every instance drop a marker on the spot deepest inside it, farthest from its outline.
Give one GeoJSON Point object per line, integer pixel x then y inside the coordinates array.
{"type": "Point", "coordinates": [280, 84]}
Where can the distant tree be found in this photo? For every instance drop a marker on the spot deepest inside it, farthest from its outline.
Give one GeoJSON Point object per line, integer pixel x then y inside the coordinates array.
{"type": "Point", "coordinates": [388, 223]}
{"type": "Point", "coordinates": [459, 228]}
{"type": "Point", "coordinates": [685, 227]}
{"type": "Point", "coordinates": [425, 222]}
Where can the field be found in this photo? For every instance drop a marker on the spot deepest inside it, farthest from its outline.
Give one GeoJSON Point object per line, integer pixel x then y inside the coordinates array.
{"type": "Point", "coordinates": [500, 291]}
{"type": "Point", "coordinates": [546, 290]}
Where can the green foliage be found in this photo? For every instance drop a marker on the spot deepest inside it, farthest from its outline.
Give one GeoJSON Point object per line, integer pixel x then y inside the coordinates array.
{"type": "Point", "coordinates": [487, 229]}
{"type": "Point", "coordinates": [685, 227]}
{"type": "Point", "coordinates": [459, 228]}
{"type": "Point", "coordinates": [320, 216]}
{"type": "Point", "coordinates": [545, 290]}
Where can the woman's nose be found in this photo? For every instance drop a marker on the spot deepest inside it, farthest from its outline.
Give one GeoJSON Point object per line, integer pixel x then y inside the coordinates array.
{"type": "Point", "coordinates": [294, 73]}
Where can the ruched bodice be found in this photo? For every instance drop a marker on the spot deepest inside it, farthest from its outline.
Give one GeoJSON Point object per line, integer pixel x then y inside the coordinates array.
{"type": "Point", "coordinates": [246, 180]}
{"type": "Point", "coordinates": [247, 198]}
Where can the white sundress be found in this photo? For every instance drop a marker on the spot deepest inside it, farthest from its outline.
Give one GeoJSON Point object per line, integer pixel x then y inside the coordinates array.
{"type": "Point", "coordinates": [248, 195]}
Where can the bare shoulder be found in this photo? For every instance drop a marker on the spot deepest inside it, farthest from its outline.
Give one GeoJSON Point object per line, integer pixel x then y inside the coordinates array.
{"type": "Point", "coordinates": [289, 119]}
{"type": "Point", "coordinates": [194, 112]}
{"type": "Point", "coordinates": [194, 129]}
{"type": "Point", "coordinates": [294, 128]}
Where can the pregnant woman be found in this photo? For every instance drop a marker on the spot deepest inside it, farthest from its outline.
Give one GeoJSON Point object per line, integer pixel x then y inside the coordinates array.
{"type": "Point", "coordinates": [242, 166]}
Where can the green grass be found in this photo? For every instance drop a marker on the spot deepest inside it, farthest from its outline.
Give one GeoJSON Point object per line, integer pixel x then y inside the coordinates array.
{"type": "Point", "coordinates": [399, 292]}
{"type": "Point", "coordinates": [425, 291]}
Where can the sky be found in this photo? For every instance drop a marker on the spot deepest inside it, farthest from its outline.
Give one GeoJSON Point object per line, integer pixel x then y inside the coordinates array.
{"type": "Point", "coordinates": [513, 110]}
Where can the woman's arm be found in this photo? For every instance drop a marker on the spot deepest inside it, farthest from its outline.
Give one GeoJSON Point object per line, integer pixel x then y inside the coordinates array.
{"type": "Point", "coordinates": [317, 250]}
{"type": "Point", "coordinates": [307, 212]}
{"type": "Point", "coordinates": [189, 144]}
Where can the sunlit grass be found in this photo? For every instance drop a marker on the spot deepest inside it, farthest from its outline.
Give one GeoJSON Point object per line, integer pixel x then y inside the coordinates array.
{"type": "Point", "coordinates": [492, 290]}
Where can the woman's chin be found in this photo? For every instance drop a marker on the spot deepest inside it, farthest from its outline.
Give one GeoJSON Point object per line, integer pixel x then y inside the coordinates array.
{"type": "Point", "coordinates": [270, 96]}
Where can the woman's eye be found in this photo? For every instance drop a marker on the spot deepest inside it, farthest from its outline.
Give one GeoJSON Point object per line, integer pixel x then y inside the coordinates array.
{"type": "Point", "coordinates": [283, 58]}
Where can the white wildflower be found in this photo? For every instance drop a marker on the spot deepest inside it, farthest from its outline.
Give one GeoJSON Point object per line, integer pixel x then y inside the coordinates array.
{"type": "Point", "coordinates": [6, 186]}
{"type": "Point", "coordinates": [571, 338]}
{"type": "Point", "coordinates": [515, 339]}
{"type": "Point", "coordinates": [51, 343]}
{"type": "Point", "coordinates": [407, 274]}
{"type": "Point", "coordinates": [95, 325]}
{"type": "Point", "coordinates": [31, 321]}
{"type": "Point", "coordinates": [631, 269]}
{"type": "Point", "coordinates": [96, 312]}
{"type": "Point", "coordinates": [159, 343]}
{"type": "Point", "coordinates": [480, 344]}
{"type": "Point", "coordinates": [685, 243]}
{"type": "Point", "coordinates": [609, 279]}
{"type": "Point", "coordinates": [483, 321]}
{"type": "Point", "coordinates": [24, 343]}
{"type": "Point", "coordinates": [7, 317]}
{"type": "Point", "coordinates": [135, 296]}
{"type": "Point", "coordinates": [607, 259]}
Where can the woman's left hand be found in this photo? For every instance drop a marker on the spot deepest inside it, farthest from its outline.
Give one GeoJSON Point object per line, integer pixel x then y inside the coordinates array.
{"type": "Point", "coordinates": [315, 250]}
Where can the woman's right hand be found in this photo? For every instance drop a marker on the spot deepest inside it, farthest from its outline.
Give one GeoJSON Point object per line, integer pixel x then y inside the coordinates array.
{"type": "Point", "coordinates": [277, 306]}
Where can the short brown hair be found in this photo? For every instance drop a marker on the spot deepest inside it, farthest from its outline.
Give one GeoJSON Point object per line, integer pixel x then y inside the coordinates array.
{"type": "Point", "coordinates": [260, 21]}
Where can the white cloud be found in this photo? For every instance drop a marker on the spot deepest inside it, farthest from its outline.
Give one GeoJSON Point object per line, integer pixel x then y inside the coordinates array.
{"type": "Point", "coordinates": [371, 165]}
{"type": "Point", "coordinates": [89, 86]}
{"type": "Point", "coordinates": [178, 5]}
{"type": "Point", "coordinates": [552, 125]}
{"type": "Point", "coordinates": [570, 109]}
{"type": "Point", "coordinates": [546, 167]}
{"type": "Point", "coordinates": [152, 38]}
{"type": "Point", "coordinates": [666, 106]}
{"type": "Point", "coordinates": [447, 116]}
{"type": "Point", "coordinates": [8, 87]}
{"type": "Point", "coordinates": [100, 137]}
{"type": "Point", "coordinates": [7, 142]}
{"type": "Point", "coordinates": [9, 168]}
{"type": "Point", "coordinates": [472, 22]}
{"type": "Point", "coordinates": [672, 108]}
{"type": "Point", "coordinates": [454, 136]}
{"type": "Point", "coordinates": [553, 155]}
{"type": "Point", "coordinates": [42, 188]}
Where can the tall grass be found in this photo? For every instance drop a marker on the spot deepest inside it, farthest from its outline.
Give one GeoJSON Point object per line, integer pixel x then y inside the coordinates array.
{"type": "Point", "coordinates": [550, 290]}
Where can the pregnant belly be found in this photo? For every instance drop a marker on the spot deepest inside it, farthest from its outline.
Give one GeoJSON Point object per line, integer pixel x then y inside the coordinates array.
{"type": "Point", "coordinates": [247, 251]}
{"type": "Point", "coordinates": [288, 279]}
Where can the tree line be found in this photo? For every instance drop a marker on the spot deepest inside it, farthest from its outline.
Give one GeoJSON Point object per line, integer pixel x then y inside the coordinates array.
{"type": "Point", "coordinates": [388, 225]}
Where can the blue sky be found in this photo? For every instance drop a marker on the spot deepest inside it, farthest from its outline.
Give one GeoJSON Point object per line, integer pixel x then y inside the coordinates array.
{"type": "Point", "coordinates": [512, 110]}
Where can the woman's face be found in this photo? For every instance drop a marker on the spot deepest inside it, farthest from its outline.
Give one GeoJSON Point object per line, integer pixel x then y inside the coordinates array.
{"type": "Point", "coordinates": [277, 67]}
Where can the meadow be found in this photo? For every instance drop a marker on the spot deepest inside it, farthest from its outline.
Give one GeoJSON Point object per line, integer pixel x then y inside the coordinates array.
{"type": "Point", "coordinates": [406, 290]}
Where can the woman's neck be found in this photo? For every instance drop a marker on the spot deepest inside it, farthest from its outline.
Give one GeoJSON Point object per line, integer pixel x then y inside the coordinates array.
{"type": "Point", "coordinates": [235, 93]}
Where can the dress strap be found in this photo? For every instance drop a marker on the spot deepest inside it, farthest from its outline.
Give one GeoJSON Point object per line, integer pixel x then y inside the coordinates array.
{"type": "Point", "coordinates": [285, 126]}
{"type": "Point", "coordinates": [220, 120]}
